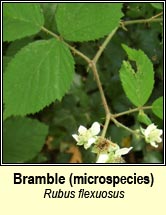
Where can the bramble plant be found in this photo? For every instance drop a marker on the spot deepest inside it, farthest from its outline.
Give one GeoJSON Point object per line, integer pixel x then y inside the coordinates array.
{"type": "Point", "coordinates": [67, 66]}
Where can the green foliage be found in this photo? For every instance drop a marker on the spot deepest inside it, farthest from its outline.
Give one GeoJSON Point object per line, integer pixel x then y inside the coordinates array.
{"type": "Point", "coordinates": [143, 118]}
{"type": "Point", "coordinates": [17, 45]}
{"type": "Point", "coordinates": [23, 139]}
{"type": "Point", "coordinates": [21, 20]}
{"type": "Point", "coordinates": [49, 10]}
{"type": "Point", "coordinates": [46, 67]}
{"type": "Point", "coordinates": [40, 81]}
{"type": "Point", "coordinates": [6, 60]}
{"type": "Point", "coordinates": [157, 5]}
{"type": "Point", "coordinates": [152, 157]}
{"type": "Point", "coordinates": [84, 22]}
{"type": "Point", "coordinates": [157, 107]}
{"type": "Point", "coordinates": [137, 85]}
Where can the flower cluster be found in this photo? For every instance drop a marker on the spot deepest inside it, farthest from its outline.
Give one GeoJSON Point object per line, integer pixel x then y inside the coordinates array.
{"type": "Point", "coordinates": [113, 156]}
{"type": "Point", "coordinates": [107, 151]}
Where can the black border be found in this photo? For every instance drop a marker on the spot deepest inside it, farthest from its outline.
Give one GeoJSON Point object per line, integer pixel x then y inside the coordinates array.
{"type": "Point", "coordinates": [67, 164]}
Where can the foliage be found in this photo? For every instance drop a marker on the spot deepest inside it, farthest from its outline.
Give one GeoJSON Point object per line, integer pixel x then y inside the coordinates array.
{"type": "Point", "coordinates": [86, 23]}
{"type": "Point", "coordinates": [67, 65]}
{"type": "Point", "coordinates": [49, 73]}
{"type": "Point", "coordinates": [23, 139]}
{"type": "Point", "coordinates": [137, 85]}
{"type": "Point", "coordinates": [157, 107]}
{"type": "Point", "coordinates": [21, 20]}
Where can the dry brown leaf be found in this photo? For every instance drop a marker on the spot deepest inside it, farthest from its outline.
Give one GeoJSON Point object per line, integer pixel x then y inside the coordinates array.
{"type": "Point", "coordinates": [76, 154]}
{"type": "Point", "coordinates": [49, 142]}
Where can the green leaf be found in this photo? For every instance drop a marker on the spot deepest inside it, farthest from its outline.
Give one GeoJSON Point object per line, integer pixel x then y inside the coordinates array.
{"type": "Point", "coordinates": [137, 85]}
{"type": "Point", "coordinates": [15, 46]}
{"type": "Point", "coordinates": [157, 107]}
{"type": "Point", "coordinates": [157, 5]}
{"type": "Point", "coordinates": [84, 22]}
{"type": "Point", "coordinates": [38, 74]}
{"type": "Point", "coordinates": [21, 20]}
{"type": "Point", "coordinates": [6, 60]}
{"type": "Point", "coordinates": [23, 139]}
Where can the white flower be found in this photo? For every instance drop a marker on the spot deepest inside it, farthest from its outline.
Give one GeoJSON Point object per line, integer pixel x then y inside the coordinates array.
{"type": "Point", "coordinates": [152, 135]}
{"type": "Point", "coordinates": [123, 151]}
{"type": "Point", "coordinates": [102, 158]}
{"type": "Point", "coordinates": [86, 136]}
{"type": "Point", "coordinates": [112, 156]}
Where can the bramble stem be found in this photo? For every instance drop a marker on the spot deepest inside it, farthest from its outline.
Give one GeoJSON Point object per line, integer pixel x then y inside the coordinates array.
{"type": "Point", "coordinates": [50, 32]}
{"type": "Point", "coordinates": [132, 111]}
{"type": "Point", "coordinates": [118, 124]}
{"type": "Point", "coordinates": [96, 75]}
{"type": "Point", "coordinates": [103, 46]}
{"type": "Point", "coordinates": [139, 21]}
{"type": "Point", "coordinates": [106, 124]}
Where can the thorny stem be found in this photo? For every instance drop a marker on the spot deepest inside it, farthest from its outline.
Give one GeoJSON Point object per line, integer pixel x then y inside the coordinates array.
{"type": "Point", "coordinates": [141, 21]}
{"type": "Point", "coordinates": [132, 111]}
{"type": "Point", "coordinates": [118, 124]}
{"type": "Point", "coordinates": [92, 64]}
{"type": "Point", "coordinates": [50, 32]}
{"type": "Point", "coordinates": [106, 124]}
{"type": "Point", "coordinates": [96, 75]}
{"type": "Point", "coordinates": [105, 43]}
{"type": "Point", "coordinates": [130, 22]}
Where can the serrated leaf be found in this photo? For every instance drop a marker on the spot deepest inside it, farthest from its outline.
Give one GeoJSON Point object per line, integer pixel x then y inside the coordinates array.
{"type": "Point", "coordinates": [157, 107]}
{"type": "Point", "coordinates": [85, 22]}
{"type": "Point", "coordinates": [157, 5]}
{"type": "Point", "coordinates": [137, 85]}
{"type": "Point", "coordinates": [23, 139]}
{"type": "Point", "coordinates": [16, 45]}
{"type": "Point", "coordinates": [21, 20]}
{"type": "Point", "coordinates": [38, 74]}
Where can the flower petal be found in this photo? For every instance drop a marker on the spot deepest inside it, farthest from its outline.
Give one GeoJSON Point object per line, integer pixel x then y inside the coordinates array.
{"type": "Point", "coordinates": [95, 128]}
{"type": "Point", "coordinates": [91, 140]}
{"type": "Point", "coordinates": [158, 140]}
{"type": "Point", "coordinates": [75, 136]}
{"type": "Point", "coordinates": [154, 144]}
{"type": "Point", "coordinates": [150, 129]}
{"type": "Point", "coordinates": [102, 158]}
{"type": "Point", "coordinates": [89, 143]}
{"type": "Point", "coordinates": [82, 129]}
{"type": "Point", "coordinates": [122, 151]}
